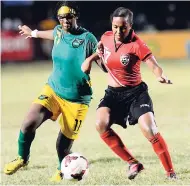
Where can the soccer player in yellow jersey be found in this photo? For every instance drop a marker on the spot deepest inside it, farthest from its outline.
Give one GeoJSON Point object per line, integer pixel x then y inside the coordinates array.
{"type": "Point", "coordinates": [67, 91]}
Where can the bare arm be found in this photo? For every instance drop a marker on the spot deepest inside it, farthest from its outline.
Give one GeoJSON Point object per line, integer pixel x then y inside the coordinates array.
{"type": "Point", "coordinates": [100, 63]}
{"type": "Point", "coordinates": [48, 34]}
{"type": "Point", "coordinates": [87, 64]}
{"type": "Point", "coordinates": [97, 57]}
{"type": "Point", "coordinates": [157, 70]}
{"type": "Point", "coordinates": [26, 31]}
{"type": "Point", "coordinates": [100, 52]}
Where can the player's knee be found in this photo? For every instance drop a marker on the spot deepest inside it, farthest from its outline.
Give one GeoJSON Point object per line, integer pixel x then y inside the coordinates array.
{"type": "Point", "coordinates": [148, 125]}
{"type": "Point", "coordinates": [150, 131]}
{"type": "Point", "coordinates": [29, 124]}
{"type": "Point", "coordinates": [153, 129]}
{"type": "Point", "coordinates": [101, 125]}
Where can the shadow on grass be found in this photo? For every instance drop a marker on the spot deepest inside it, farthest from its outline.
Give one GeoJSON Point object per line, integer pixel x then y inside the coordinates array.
{"type": "Point", "coordinates": [104, 160]}
{"type": "Point", "coordinates": [184, 171]}
{"type": "Point", "coordinates": [38, 167]}
{"type": "Point", "coordinates": [145, 159]}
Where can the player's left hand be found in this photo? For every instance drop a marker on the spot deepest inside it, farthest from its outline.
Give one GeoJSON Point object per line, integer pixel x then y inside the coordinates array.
{"type": "Point", "coordinates": [164, 79]}
{"type": "Point", "coordinates": [86, 66]}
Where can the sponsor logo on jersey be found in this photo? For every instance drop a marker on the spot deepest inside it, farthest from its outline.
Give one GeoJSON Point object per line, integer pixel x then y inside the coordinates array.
{"type": "Point", "coordinates": [77, 42]}
{"type": "Point", "coordinates": [124, 59]}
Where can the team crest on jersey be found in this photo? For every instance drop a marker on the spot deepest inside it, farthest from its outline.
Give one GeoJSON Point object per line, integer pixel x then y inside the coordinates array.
{"type": "Point", "coordinates": [124, 59]}
{"type": "Point", "coordinates": [42, 97]}
{"type": "Point", "coordinates": [77, 42]}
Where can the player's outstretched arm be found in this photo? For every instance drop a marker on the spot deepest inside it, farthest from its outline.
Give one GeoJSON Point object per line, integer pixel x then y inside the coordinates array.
{"type": "Point", "coordinates": [157, 70]}
{"type": "Point", "coordinates": [26, 31]}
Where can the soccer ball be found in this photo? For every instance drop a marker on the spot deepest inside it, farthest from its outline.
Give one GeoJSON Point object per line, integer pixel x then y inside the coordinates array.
{"type": "Point", "coordinates": [74, 167]}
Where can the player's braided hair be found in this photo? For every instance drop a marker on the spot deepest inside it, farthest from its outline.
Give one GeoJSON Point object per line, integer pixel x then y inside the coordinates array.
{"type": "Point", "coordinates": [71, 4]}
{"type": "Point", "coordinates": [123, 12]}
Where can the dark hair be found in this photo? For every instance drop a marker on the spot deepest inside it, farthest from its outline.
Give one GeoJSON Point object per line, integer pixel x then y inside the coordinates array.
{"type": "Point", "coordinates": [123, 12]}
{"type": "Point", "coordinates": [71, 4]}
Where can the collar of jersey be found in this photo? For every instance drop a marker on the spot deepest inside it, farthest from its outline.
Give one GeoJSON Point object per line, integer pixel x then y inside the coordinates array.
{"type": "Point", "coordinates": [78, 31]}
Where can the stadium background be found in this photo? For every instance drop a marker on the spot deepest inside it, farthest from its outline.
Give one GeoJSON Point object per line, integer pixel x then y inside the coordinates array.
{"type": "Point", "coordinates": [152, 19]}
{"type": "Point", "coordinates": [26, 64]}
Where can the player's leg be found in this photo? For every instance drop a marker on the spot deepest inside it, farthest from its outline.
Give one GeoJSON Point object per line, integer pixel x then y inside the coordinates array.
{"type": "Point", "coordinates": [43, 108]}
{"type": "Point", "coordinates": [110, 110]}
{"type": "Point", "coordinates": [142, 111]}
{"type": "Point", "coordinates": [73, 115]}
{"type": "Point", "coordinates": [149, 129]}
{"type": "Point", "coordinates": [63, 147]}
{"type": "Point", "coordinates": [35, 117]}
{"type": "Point", "coordinates": [110, 137]}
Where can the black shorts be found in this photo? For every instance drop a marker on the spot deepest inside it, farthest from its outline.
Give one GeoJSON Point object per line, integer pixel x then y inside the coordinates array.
{"type": "Point", "coordinates": [127, 103]}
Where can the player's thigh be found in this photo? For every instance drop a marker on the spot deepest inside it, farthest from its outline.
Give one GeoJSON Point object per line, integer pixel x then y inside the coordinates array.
{"type": "Point", "coordinates": [47, 98]}
{"type": "Point", "coordinates": [103, 112]}
{"type": "Point", "coordinates": [141, 111]}
{"type": "Point", "coordinates": [147, 125]}
{"type": "Point", "coordinates": [35, 117]}
{"type": "Point", "coordinates": [103, 119]}
{"type": "Point", "coordinates": [141, 105]}
{"type": "Point", "coordinates": [72, 118]}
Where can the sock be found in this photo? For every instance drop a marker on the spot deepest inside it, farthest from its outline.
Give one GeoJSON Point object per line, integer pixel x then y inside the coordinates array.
{"type": "Point", "coordinates": [24, 143]}
{"type": "Point", "coordinates": [60, 159]}
{"type": "Point", "coordinates": [63, 146]}
{"type": "Point", "coordinates": [117, 146]}
{"type": "Point", "coordinates": [161, 149]}
{"type": "Point", "coordinates": [59, 163]}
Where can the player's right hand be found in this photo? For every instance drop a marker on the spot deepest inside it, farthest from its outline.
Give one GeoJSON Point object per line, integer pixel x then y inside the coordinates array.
{"type": "Point", "coordinates": [100, 49]}
{"type": "Point", "coordinates": [164, 79]}
{"type": "Point", "coordinates": [25, 30]}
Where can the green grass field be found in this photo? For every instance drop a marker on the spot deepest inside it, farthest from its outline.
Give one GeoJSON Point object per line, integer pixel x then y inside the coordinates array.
{"type": "Point", "coordinates": [22, 83]}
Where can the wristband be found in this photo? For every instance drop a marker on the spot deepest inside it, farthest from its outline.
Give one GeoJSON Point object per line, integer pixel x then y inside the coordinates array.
{"type": "Point", "coordinates": [34, 33]}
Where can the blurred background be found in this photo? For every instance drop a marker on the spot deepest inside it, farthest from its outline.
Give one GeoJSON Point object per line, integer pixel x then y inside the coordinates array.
{"type": "Point", "coordinates": [26, 65]}
{"type": "Point", "coordinates": [165, 26]}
